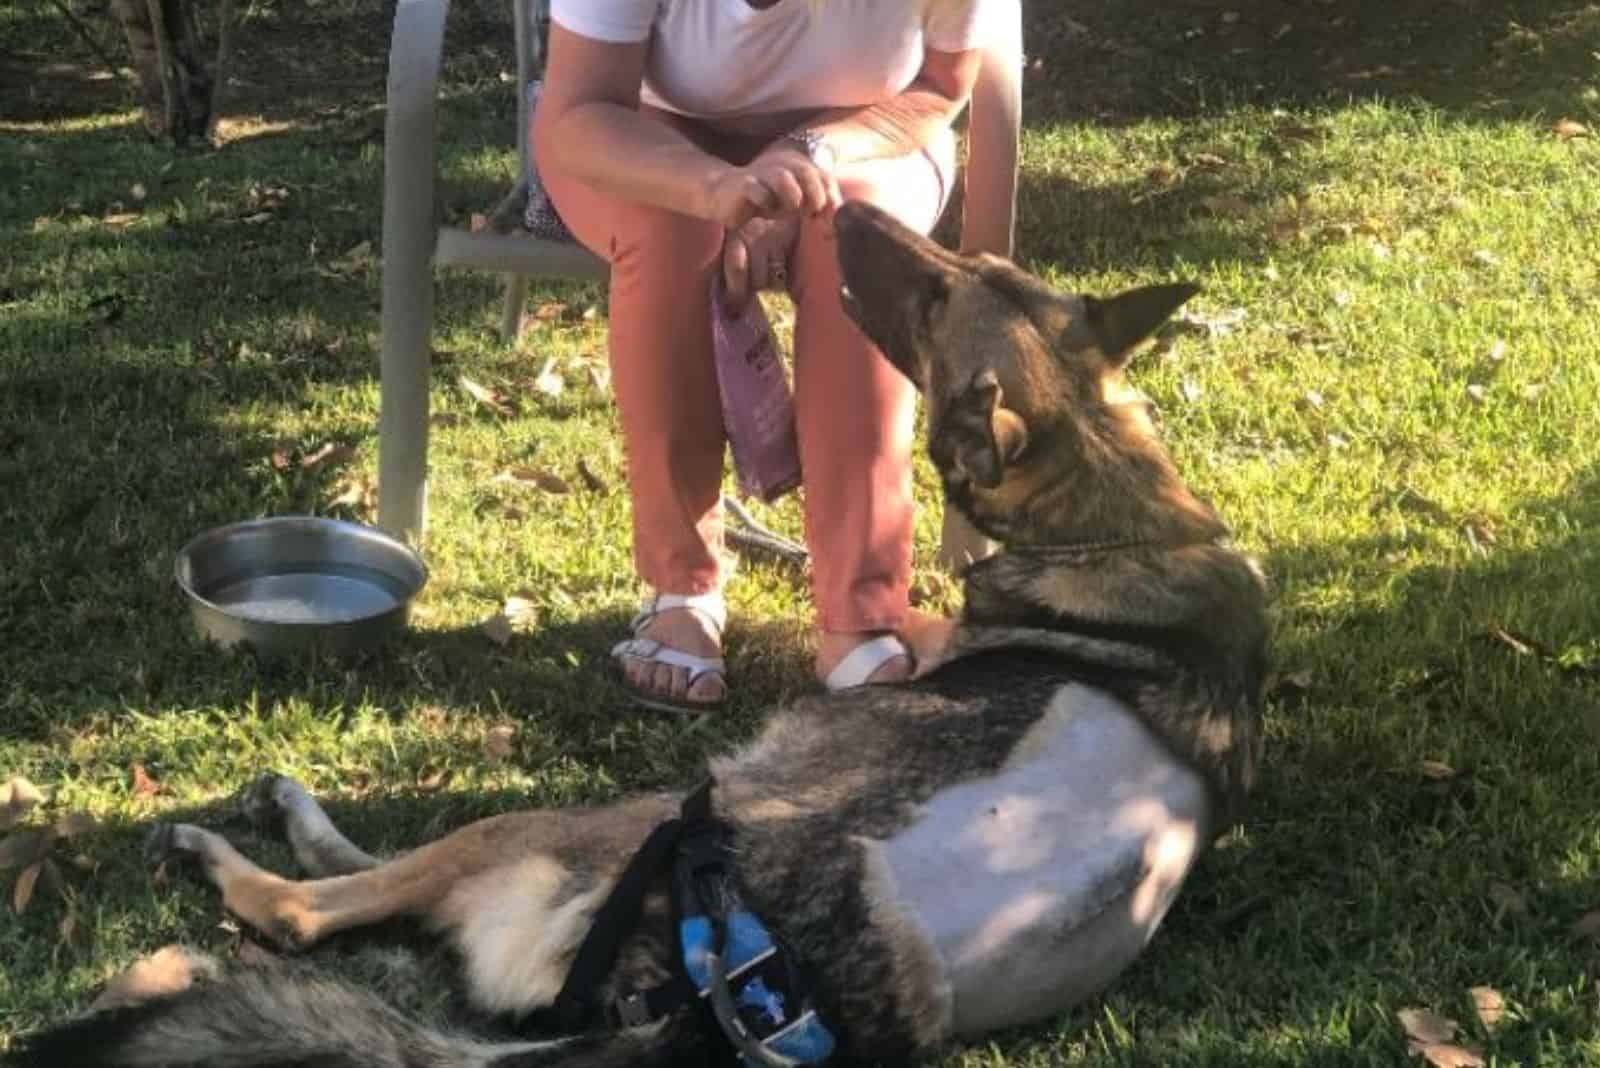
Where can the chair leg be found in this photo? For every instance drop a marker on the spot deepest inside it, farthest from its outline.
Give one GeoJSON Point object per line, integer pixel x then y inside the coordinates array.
{"type": "Point", "coordinates": [511, 317]}
{"type": "Point", "coordinates": [410, 156]}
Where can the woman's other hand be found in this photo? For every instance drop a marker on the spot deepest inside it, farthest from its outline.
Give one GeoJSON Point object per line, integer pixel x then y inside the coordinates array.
{"type": "Point", "coordinates": [756, 256]}
{"type": "Point", "coordinates": [782, 181]}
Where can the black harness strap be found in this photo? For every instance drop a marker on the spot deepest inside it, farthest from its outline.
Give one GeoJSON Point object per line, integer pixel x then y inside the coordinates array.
{"type": "Point", "coordinates": [575, 1008]}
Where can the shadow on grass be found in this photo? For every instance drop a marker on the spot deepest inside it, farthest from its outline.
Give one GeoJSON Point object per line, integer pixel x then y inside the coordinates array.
{"type": "Point", "coordinates": [1114, 61]}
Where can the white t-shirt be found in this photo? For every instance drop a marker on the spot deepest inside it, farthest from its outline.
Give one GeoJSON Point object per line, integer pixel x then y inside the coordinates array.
{"type": "Point", "coordinates": [724, 58]}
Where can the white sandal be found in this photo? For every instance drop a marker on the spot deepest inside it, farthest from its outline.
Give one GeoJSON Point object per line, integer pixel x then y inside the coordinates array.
{"type": "Point", "coordinates": [863, 661]}
{"type": "Point", "coordinates": [711, 608]}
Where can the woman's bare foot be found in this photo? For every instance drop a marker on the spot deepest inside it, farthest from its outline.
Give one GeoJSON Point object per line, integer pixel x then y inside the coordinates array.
{"type": "Point", "coordinates": [688, 632]}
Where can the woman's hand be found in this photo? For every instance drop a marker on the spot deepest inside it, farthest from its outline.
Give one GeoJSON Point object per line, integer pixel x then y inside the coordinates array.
{"type": "Point", "coordinates": [782, 181]}
{"type": "Point", "coordinates": [756, 257]}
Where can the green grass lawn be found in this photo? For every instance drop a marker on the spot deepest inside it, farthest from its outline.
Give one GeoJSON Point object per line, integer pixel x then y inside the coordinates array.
{"type": "Point", "coordinates": [1390, 387]}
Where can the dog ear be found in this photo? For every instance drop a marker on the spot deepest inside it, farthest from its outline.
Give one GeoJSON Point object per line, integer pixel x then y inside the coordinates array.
{"type": "Point", "coordinates": [984, 436]}
{"type": "Point", "coordinates": [1128, 318]}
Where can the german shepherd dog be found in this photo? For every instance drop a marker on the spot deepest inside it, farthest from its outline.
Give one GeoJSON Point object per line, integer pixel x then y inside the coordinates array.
{"type": "Point", "coordinates": [977, 848]}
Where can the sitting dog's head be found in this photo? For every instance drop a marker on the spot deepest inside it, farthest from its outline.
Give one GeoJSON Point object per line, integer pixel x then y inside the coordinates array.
{"type": "Point", "coordinates": [1032, 425]}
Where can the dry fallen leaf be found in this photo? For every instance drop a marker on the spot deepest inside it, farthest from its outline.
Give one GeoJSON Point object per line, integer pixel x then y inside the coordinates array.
{"type": "Point", "coordinates": [535, 477]}
{"type": "Point", "coordinates": [497, 628]}
{"type": "Point", "coordinates": [494, 400]}
{"type": "Point", "coordinates": [127, 218]}
{"type": "Point", "coordinates": [357, 493]}
{"type": "Point", "coordinates": [550, 309]}
{"type": "Point", "coordinates": [1520, 644]}
{"type": "Point", "coordinates": [1427, 1027]}
{"type": "Point", "coordinates": [549, 380]}
{"type": "Point", "coordinates": [1163, 174]}
{"type": "Point", "coordinates": [1490, 1005]}
{"type": "Point", "coordinates": [499, 743]}
{"type": "Point", "coordinates": [329, 455]}
{"type": "Point", "coordinates": [142, 784]}
{"type": "Point", "coordinates": [520, 611]}
{"type": "Point", "coordinates": [1208, 160]}
{"type": "Point", "coordinates": [280, 459]}
{"type": "Point", "coordinates": [1221, 324]}
{"type": "Point", "coordinates": [431, 779]}
{"type": "Point", "coordinates": [1437, 770]}
{"type": "Point", "coordinates": [1294, 131]}
{"type": "Point", "coordinates": [1447, 1055]}
{"type": "Point", "coordinates": [1567, 129]}
{"type": "Point", "coordinates": [26, 882]}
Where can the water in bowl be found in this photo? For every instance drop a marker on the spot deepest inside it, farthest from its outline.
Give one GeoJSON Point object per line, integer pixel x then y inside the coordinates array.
{"type": "Point", "coordinates": [329, 593]}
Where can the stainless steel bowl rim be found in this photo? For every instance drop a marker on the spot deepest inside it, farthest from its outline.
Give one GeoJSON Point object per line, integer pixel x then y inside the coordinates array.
{"type": "Point", "coordinates": [217, 534]}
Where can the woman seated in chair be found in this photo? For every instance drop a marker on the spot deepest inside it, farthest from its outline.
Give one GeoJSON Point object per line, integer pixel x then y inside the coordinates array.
{"type": "Point", "coordinates": [679, 138]}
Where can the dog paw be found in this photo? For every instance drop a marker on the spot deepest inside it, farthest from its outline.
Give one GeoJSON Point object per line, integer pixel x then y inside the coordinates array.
{"type": "Point", "coordinates": [170, 970]}
{"type": "Point", "coordinates": [261, 803]}
{"type": "Point", "coordinates": [168, 842]}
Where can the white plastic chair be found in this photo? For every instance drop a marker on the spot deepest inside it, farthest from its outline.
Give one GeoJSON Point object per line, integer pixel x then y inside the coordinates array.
{"type": "Point", "coordinates": [414, 244]}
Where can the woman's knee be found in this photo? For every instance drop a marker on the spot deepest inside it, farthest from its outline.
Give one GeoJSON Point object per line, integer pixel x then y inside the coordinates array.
{"type": "Point", "coordinates": [915, 187]}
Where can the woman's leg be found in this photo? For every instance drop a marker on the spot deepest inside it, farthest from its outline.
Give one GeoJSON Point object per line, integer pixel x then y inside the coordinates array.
{"type": "Point", "coordinates": [664, 378]}
{"type": "Point", "coordinates": [855, 417]}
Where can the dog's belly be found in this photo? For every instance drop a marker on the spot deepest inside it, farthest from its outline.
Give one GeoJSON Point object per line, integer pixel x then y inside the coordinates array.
{"type": "Point", "coordinates": [1038, 885]}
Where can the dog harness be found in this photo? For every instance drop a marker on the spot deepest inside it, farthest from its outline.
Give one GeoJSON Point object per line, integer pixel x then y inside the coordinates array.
{"type": "Point", "coordinates": [730, 964]}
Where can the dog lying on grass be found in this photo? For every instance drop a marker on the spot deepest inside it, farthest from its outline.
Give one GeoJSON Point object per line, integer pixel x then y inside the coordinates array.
{"type": "Point", "coordinates": [974, 849]}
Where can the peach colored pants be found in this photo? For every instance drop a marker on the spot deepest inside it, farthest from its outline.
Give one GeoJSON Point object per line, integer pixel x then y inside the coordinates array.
{"type": "Point", "coordinates": [854, 412]}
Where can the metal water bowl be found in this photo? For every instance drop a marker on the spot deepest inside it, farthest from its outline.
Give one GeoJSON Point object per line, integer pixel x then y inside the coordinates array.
{"type": "Point", "coordinates": [296, 583]}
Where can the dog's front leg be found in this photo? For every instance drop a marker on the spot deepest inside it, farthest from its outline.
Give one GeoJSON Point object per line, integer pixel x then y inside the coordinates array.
{"type": "Point", "coordinates": [277, 804]}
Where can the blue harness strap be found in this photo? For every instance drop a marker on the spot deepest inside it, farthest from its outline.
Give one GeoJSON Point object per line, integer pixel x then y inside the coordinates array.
{"type": "Point", "coordinates": [746, 983]}
{"type": "Point", "coordinates": [756, 994]}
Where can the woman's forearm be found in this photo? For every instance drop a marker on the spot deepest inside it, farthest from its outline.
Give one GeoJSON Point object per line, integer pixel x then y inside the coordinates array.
{"type": "Point", "coordinates": [898, 126]}
{"type": "Point", "coordinates": [619, 151]}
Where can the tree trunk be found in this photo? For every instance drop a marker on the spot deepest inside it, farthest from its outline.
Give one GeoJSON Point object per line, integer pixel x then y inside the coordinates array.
{"type": "Point", "coordinates": [175, 84]}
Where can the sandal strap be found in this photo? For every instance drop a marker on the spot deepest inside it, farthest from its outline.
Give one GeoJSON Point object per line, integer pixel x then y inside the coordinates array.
{"type": "Point", "coordinates": [709, 606]}
{"type": "Point", "coordinates": [655, 652]}
{"type": "Point", "coordinates": [859, 664]}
